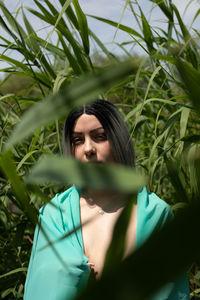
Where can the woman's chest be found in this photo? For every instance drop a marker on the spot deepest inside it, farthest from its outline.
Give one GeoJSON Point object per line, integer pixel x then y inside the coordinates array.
{"type": "Point", "coordinates": [97, 235]}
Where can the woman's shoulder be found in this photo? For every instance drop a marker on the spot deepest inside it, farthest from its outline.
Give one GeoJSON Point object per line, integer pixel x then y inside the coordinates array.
{"type": "Point", "coordinates": [57, 213]}
{"type": "Point", "coordinates": [149, 201]}
{"type": "Point", "coordinates": [58, 202]}
{"type": "Point", "coordinates": [153, 213]}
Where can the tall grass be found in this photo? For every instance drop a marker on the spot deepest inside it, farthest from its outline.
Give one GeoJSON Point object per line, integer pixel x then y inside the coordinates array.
{"type": "Point", "coordinates": [158, 97]}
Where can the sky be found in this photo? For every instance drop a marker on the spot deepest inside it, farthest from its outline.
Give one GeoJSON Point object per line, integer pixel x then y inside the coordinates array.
{"type": "Point", "coordinates": [111, 9]}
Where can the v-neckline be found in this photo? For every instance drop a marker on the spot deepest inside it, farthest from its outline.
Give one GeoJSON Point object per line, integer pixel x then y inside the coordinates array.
{"type": "Point", "coordinates": [80, 232]}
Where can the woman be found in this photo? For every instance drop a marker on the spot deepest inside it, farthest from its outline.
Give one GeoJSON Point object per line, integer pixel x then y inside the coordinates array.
{"type": "Point", "coordinates": [93, 133]}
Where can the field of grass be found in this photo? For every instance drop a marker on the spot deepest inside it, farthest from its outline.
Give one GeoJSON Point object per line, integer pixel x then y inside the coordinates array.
{"type": "Point", "coordinates": [158, 95]}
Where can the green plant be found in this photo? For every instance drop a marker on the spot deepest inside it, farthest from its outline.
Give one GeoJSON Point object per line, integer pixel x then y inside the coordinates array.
{"type": "Point", "coordinates": [158, 96]}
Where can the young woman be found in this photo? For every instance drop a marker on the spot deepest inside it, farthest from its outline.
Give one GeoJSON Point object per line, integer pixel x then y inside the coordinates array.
{"type": "Point", "coordinates": [93, 133]}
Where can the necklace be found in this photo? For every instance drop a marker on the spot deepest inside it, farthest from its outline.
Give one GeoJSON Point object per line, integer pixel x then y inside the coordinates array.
{"type": "Point", "coordinates": [91, 204]}
{"type": "Point", "coordinates": [101, 212]}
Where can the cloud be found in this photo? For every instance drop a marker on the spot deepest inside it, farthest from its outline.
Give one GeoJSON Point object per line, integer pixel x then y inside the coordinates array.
{"type": "Point", "coordinates": [102, 8]}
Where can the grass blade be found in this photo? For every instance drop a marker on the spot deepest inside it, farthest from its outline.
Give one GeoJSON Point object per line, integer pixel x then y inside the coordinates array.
{"type": "Point", "coordinates": [83, 26]}
{"type": "Point", "coordinates": [8, 167]}
{"type": "Point", "coordinates": [14, 271]}
{"type": "Point", "coordinates": [12, 21]}
{"type": "Point", "coordinates": [15, 63]}
{"type": "Point", "coordinates": [66, 33]}
{"type": "Point", "coordinates": [191, 55]}
{"type": "Point", "coordinates": [191, 79]}
{"type": "Point", "coordinates": [148, 36]}
{"type": "Point", "coordinates": [71, 15]}
{"type": "Point", "coordinates": [71, 59]}
{"type": "Point", "coordinates": [120, 26]}
{"type": "Point", "coordinates": [35, 47]}
{"type": "Point", "coordinates": [166, 10]}
{"type": "Point", "coordinates": [50, 47]}
{"type": "Point", "coordinates": [110, 56]}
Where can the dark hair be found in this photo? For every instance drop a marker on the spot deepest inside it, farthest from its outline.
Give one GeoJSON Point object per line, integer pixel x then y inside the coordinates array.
{"type": "Point", "coordinates": [113, 124]}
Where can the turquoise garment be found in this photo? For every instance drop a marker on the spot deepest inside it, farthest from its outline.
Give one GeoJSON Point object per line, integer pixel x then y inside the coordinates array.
{"type": "Point", "coordinates": [61, 272]}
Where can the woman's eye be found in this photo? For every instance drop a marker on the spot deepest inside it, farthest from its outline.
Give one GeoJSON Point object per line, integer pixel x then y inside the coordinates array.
{"type": "Point", "coordinates": [76, 140]}
{"type": "Point", "coordinates": [101, 137]}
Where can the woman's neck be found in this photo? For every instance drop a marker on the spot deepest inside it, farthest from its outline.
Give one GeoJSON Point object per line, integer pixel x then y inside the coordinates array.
{"type": "Point", "coordinates": [109, 201]}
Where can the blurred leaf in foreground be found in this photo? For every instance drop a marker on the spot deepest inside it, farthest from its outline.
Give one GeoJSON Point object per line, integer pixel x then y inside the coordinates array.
{"type": "Point", "coordinates": [66, 171]}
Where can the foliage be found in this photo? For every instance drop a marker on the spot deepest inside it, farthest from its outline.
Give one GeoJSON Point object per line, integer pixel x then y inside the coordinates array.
{"type": "Point", "coordinates": [158, 96]}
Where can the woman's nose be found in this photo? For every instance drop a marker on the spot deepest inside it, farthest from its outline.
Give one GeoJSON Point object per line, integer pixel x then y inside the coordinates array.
{"type": "Point", "coordinates": [89, 147]}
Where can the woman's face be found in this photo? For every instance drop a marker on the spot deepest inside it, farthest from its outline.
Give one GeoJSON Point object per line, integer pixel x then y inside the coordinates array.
{"type": "Point", "coordinates": [89, 141]}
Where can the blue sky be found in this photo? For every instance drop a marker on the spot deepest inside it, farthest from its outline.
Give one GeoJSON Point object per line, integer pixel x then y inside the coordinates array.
{"type": "Point", "coordinates": [112, 9]}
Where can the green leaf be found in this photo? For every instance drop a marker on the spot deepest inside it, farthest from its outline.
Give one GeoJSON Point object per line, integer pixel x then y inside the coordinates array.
{"type": "Point", "coordinates": [168, 58]}
{"type": "Point", "coordinates": [41, 77]}
{"type": "Point", "coordinates": [166, 10]}
{"type": "Point", "coordinates": [148, 36]}
{"type": "Point", "coordinates": [9, 169]}
{"type": "Point", "coordinates": [64, 171]}
{"type": "Point", "coordinates": [39, 15]}
{"type": "Point", "coordinates": [171, 120]}
{"type": "Point", "coordinates": [83, 26]}
{"type": "Point", "coordinates": [142, 105]}
{"type": "Point", "coordinates": [50, 47]}
{"type": "Point", "coordinates": [14, 24]}
{"type": "Point", "coordinates": [6, 292]}
{"type": "Point", "coordinates": [33, 43]}
{"type": "Point", "coordinates": [120, 26]}
{"type": "Point", "coordinates": [191, 80]}
{"type": "Point", "coordinates": [73, 62]}
{"type": "Point", "coordinates": [110, 56]}
{"type": "Point", "coordinates": [20, 164]}
{"type": "Point", "coordinates": [184, 29]}
{"type": "Point", "coordinates": [71, 15]}
{"type": "Point", "coordinates": [179, 205]}
{"type": "Point", "coordinates": [191, 55]}
{"type": "Point", "coordinates": [60, 19]}
{"type": "Point", "coordinates": [6, 96]}
{"type": "Point", "coordinates": [120, 20]}
{"type": "Point", "coordinates": [184, 120]}
{"type": "Point", "coordinates": [196, 15]}
{"type": "Point", "coordinates": [176, 180]}
{"type": "Point", "coordinates": [66, 33]}
{"type": "Point", "coordinates": [193, 138]}
{"type": "Point", "coordinates": [35, 46]}
{"type": "Point", "coordinates": [151, 81]}
{"type": "Point", "coordinates": [61, 103]}
{"type": "Point", "coordinates": [22, 42]}
{"type": "Point", "coordinates": [15, 63]}
{"type": "Point", "coordinates": [47, 16]}
{"type": "Point", "coordinates": [7, 29]}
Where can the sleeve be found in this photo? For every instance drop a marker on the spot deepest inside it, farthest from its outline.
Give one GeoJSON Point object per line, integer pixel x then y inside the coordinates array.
{"type": "Point", "coordinates": [53, 271]}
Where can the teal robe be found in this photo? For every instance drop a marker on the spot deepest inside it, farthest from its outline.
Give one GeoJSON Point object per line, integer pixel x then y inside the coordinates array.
{"type": "Point", "coordinates": [61, 272]}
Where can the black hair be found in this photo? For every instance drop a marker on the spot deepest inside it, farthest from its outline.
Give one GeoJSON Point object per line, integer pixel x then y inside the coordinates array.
{"type": "Point", "coordinates": [115, 129]}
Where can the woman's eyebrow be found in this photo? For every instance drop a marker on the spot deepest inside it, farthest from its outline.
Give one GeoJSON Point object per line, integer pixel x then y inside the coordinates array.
{"type": "Point", "coordinates": [80, 132]}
